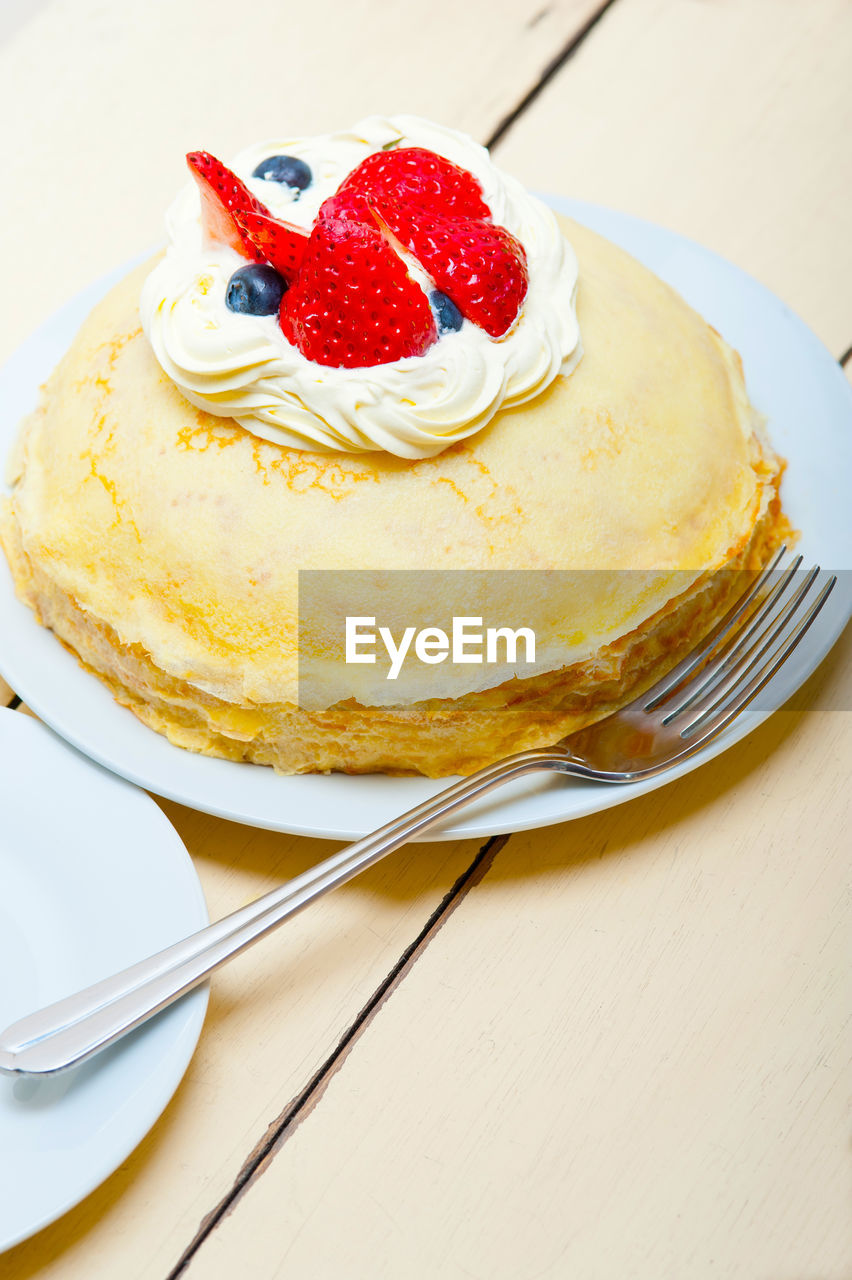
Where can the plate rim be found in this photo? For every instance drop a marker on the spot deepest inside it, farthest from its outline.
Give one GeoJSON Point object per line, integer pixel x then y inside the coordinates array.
{"type": "Point", "coordinates": [599, 796]}
{"type": "Point", "coordinates": [158, 1089]}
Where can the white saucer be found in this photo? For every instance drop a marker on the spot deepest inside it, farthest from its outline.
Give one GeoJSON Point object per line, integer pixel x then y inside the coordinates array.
{"type": "Point", "coordinates": [791, 378]}
{"type": "Point", "coordinates": [92, 877]}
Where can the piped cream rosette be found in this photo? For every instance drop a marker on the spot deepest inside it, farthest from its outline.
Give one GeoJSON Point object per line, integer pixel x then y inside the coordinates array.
{"type": "Point", "coordinates": [242, 366]}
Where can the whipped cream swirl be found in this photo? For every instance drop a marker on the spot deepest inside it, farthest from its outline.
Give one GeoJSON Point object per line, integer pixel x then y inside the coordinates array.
{"type": "Point", "coordinates": [242, 366]}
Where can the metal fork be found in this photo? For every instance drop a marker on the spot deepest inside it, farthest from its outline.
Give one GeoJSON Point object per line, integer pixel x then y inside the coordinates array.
{"type": "Point", "coordinates": [663, 727]}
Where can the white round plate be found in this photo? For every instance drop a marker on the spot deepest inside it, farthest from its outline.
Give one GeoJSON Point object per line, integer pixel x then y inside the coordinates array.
{"type": "Point", "coordinates": [791, 378]}
{"type": "Point", "coordinates": [92, 878]}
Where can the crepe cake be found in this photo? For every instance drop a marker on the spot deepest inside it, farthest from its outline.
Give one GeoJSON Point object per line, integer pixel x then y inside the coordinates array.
{"type": "Point", "coordinates": [365, 353]}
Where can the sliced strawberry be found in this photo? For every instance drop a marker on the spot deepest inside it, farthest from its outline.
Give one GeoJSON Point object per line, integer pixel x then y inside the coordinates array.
{"type": "Point", "coordinates": [223, 195]}
{"type": "Point", "coordinates": [420, 177]}
{"type": "Point", "coordinates": [480, 266]}
{"type": "Point", "coordinates": [353, 303]}
{"type": "Point", "coordinates": [282, 244]}
{"type": "Point", "coordinates": [351, 206]}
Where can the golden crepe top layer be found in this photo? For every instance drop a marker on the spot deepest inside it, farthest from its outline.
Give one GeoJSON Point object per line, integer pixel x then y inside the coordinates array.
{"type": "Point", "coordinates": [185, 533]}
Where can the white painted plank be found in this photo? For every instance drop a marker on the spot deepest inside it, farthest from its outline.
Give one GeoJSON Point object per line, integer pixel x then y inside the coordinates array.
{"type": "Point", "coordinates": [106, 99]}
{"type": "Point", "coordinates": [625, 1054]}
{"type": "Point", "coordinates": [728, 122]}
{"type": "Point", "coordinates": [274, 1016]}
{"type": "Point", "coordinates": [482, 1034]}
{"type": "Point", "coordinates": [103, 100]}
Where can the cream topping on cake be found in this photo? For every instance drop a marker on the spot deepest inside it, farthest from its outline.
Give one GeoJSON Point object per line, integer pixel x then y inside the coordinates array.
{"type": "Point", "coordinates": [241, 366]}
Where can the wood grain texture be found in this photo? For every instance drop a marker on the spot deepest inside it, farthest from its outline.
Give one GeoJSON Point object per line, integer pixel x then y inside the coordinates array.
{"type": "Point", "coordinates": [275, 1015]}
{"type": "Point", "coordinates": [626, 1053]}
{"type": "Point", "coordinates": [108, 98]}
{"type": "Point", "coordinates": [620, 1054]}
{"type": "Point", "coordinates": [726, 121]}
{"type": "Point", "coordinates": [112, 96]}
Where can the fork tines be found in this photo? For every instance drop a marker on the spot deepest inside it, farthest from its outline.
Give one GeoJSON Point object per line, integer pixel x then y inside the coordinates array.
{"type": "Point", "coordinates": [743, 651]}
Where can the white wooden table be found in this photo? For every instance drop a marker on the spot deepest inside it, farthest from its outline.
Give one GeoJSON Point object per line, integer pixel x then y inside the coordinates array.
{"type": "Point", "coordinates": [617, 1048]}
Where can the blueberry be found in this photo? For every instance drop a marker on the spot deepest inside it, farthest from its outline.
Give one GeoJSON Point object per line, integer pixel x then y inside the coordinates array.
{"type": "Point", "coordinates": [289, 170]}
{"type": "Point", "coordinates": [447, 314]}
{"type": "Point", "coordinates": [255, 290]}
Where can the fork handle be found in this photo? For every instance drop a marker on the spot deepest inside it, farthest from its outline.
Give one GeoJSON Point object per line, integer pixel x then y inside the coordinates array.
{"type": "Point", "coordinates": [77, 1027]}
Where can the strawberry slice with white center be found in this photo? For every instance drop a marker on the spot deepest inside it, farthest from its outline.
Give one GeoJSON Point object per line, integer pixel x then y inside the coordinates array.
{"type": "Point", "coordinates": [222, 195]}
{"type": "Point", "coordinates": [480, 266]}
{"type": "Point", "coordinates": [436, 211]}
{"type": "Point", "coordinates": [353, 302]}
{"type": "Point", "coordinates": [419, 177]}
{"type": "Point", "coordinates": [281, 244]}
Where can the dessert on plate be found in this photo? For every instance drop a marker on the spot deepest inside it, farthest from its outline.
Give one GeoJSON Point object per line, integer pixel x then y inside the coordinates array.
{"type": "Point", "coordinates": [371, 372]}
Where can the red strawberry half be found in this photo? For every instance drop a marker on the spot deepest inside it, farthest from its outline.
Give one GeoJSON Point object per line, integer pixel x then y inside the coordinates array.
{"type": "Point", "coordinates": [420, 177]}
{"type": "Point", "coordinates": [351, 206]}
{"type": "Point", "coordinates": [223, 195]}
{"type": "Point", "coordinates": [481, 267]}
{"type": "Point", "coordinates": [282, 244]}
{"type": "Point", "coordinates": [353, 302]}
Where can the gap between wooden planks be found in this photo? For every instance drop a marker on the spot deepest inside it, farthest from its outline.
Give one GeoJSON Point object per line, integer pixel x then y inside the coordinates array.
{"type": "Point", "coordinates": [545, 134]}
{"type": "Point", "coordinates": [111, 97]}
{"type": "Point", "coordinates": [728, 122]}
{"type": "Point", "coordinates": [80, 74]}
{"type": "Point", "coordinates": [135, 1215]}
{"type": "Point", "coordinates": [624, 1054]}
